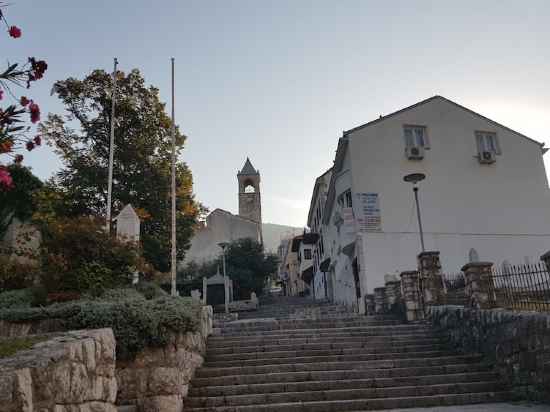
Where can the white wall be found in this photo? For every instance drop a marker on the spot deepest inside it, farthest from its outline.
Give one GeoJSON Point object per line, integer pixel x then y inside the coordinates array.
{"type": "Point", "coordinates": [502, 210]}
{"type": "Point", "coordinates": [221, 226]}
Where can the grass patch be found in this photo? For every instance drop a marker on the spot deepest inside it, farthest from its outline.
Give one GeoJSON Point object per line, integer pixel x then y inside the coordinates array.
{"type": "Point", "coordinates": [9, 347]}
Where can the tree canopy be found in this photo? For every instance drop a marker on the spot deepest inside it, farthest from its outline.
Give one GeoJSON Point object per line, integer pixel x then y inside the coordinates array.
{"type": "Point", "coordinates": [141, 174]}
{"type": "Point", "coordinates": [247, 265]}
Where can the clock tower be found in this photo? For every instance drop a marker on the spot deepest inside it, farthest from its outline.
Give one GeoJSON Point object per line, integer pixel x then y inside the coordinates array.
{"type": "Point", "coordinates": [250, 205]}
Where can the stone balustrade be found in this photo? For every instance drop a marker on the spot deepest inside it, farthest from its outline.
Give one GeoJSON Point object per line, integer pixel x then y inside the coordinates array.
{"type": "Point", "coordinates": [411, 295]}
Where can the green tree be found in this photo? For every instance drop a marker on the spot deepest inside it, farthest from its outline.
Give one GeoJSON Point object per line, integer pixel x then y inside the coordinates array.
{"type": "Point", "coordinates": [249, 267]}
{"type": "Point", "coordinates": [142, 158]}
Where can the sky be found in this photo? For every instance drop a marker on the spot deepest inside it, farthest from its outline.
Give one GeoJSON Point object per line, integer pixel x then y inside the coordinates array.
{"type": "Point", "coordinates": [278, 81]}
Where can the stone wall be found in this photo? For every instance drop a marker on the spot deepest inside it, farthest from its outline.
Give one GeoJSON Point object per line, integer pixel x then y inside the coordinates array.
{"type": "Point", "coordinates": [158, 378]}
{"type": "Point", "coordinates": [516, 343]}
{"type": "Point", "coordinates": [70, 372]}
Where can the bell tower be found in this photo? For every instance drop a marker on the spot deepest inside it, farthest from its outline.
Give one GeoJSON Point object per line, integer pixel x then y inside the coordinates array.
{"type": "Point", "coordinates": [250, 205]}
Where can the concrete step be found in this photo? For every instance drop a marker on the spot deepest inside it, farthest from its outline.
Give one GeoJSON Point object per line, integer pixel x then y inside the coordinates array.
{"type": "Point", "coordinates": [325, 339]}
{"type": "Point", "coordinates": [381, 350]}
{"type": "Point", "coordinates": [211, 372]}
{"type": "Point", "coordinates": [208, 391]}
{"type": "Point", "coordinates": [325, 358]}
{"type": "Point", "coordinates": [367, 404]}
{"type": "Point", "coordinates": [343, 374]}
{"type": "Point", "coordinates": [341, 331]}
{"type": "Point", "coordinates": [364, 346]}
{"type": "Point", "coordinates": [342, 394]}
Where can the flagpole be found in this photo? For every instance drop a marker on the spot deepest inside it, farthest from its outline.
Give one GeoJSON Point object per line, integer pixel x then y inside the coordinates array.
{"type": "Point", "coordinates": [173, 251]}
{"type": "Point", "coordinates": [111, 151]}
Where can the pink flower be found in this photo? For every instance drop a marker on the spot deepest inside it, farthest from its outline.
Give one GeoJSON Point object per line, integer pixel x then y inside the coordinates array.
{"type": "Point", "coordinates": [18, 158]}
{"type": "Point", "coordinates": [24, 101]}
{"type": "Point", "coordinates": [29, 145]}
{"type": "Point", "coordinates": [37, 140]}
{"type": "Point", "coordinates": [1, 94]}
{"type": "Point", "coordinates": [6, 181]}
{"type": "Point", "coordinates": [34, 110]}
{"type": "Point", "coordinates": [15, 32]}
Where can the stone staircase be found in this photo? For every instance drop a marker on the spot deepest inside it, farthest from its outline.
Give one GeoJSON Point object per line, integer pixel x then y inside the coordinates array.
{"type": "Point", "coordinates": [301, 356]}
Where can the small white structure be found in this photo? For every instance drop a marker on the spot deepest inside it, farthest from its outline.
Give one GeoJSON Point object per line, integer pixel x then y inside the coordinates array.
{"type": "Point", "coordinates": [127, 229]}
{"type": "Point", "coordinates": [128, 225]}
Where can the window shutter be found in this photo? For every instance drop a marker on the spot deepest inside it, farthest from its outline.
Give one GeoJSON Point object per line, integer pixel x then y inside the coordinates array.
{"type": "Point", "coordinates": [479, 142]}
{"type": "Point", "coordinates": [426, 139]}
{"type": "Point", "coordinates": [409, 138]}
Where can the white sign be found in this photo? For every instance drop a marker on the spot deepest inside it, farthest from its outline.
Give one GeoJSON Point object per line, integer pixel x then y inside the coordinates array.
{"type": "Point", "coordinates": [369, 219]}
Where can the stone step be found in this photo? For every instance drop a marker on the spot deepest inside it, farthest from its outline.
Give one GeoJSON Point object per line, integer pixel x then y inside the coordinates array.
{"type": "Point", "coordinates": [211, 372]}
{"type": "Point", "coordinates": [228, 390]}
{"type": "Point", "coordinates": [257, 325]}
{"type": "Point", "coordinates": [382, 350]}
{"type": "Point", "coordinates": [347, 331]}
{"type": "Point", "coordinates": [343, 374]}
{"type": "Point", "coordinates": [325, 358]}
{"type": "Point", "coordinates": [342, 394]}
{"type": "Point", "coordinates": [365, 346]}
{"type": "Point", "coordinates": [323, 339]}
{"type": "Point", "coordinates": [367, 404]}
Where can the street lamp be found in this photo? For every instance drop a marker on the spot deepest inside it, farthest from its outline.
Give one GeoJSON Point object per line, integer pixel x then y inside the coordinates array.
{"type": "Point", "coordinates": [414, 178]}
{"type": "Point", "coordinates": [224, 245]}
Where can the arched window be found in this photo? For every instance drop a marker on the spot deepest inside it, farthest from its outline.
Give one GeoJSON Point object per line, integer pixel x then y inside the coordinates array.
{"type": "Point", "coordinates": [249, 187]}
{"type": "Point", "coordinates": [473, 256]}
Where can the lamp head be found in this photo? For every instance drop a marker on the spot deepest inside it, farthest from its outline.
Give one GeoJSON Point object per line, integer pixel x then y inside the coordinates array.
{"type": "Point", "coordinates": [414, 178]}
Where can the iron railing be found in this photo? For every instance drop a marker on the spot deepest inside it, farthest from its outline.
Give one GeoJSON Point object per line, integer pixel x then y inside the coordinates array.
{"type": "Point", "coordinates": [522, 287]}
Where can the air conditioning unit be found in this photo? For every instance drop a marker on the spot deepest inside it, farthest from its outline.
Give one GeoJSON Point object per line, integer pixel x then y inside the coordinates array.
{"type": "Point", "coordinates": [414, 152]}
{"type": "Point", "coordinates": [487, 157]}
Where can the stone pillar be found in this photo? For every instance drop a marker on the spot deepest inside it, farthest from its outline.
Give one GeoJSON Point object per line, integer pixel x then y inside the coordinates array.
{"type": "Point", "coordinates": [393, 295]}
{"type": "Point", "coordinates": [369, 304]}
{"type": "Point", "coordinates": [546, 259]}
{"type": "Point", "coordinates": [411, 296]}
{"type": "Point", "coordinates": [429, 267]}
{"type": "Point", "coordinates": [479, 289]}
{"type": "Point", "coordinates": [379, 300]}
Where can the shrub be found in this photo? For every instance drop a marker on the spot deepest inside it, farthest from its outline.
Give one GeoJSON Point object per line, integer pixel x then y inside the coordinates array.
{"type": "Point", "coordinates": [136, 322]}
{"type": "Point", "coordinates": [15, 275]}
{"type": "Point", "coordinates": [21, 298]}
{"type": "Point", "coordinates": [120, 294]}
{"type": "Point", "coordinates": [150, 290]}
{"type": "Point", "coordinates": [78, 256]}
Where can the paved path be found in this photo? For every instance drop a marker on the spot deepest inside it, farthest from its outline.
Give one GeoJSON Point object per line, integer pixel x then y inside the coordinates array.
{"type": "Point", "coordinates": [487, 407]}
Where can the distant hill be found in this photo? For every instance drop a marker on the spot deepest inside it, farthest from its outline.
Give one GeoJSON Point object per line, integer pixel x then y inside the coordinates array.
{"type": "Point", "coordinates": [273, 234]}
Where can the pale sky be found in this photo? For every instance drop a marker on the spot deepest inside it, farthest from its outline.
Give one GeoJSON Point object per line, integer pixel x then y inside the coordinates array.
{"type": "Point", "coordinates": [278, 81]}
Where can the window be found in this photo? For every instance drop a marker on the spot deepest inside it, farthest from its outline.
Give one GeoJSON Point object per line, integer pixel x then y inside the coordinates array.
{"type": "Point", "coordinates": [487, 142]}
{"type": "Point", "coordinates": [307, 254]}
{"type": "Point", "coordinates": [416, 136]}
{"type": "Point", "coordinates": [345, 199]}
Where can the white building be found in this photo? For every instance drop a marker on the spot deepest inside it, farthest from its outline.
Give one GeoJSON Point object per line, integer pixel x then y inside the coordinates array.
{"type": "Point", "coordinates": [485, 194]}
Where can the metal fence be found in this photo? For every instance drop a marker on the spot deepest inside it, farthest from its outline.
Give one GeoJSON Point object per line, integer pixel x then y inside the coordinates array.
{"type": "Point", "coordinates": [522, 287]}
{"type": "Point", "coordinates": [455, 285]}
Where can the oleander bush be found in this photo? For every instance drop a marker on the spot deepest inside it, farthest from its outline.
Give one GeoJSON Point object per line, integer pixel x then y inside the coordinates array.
{"type": "Point", "coordinates": [136, 322]}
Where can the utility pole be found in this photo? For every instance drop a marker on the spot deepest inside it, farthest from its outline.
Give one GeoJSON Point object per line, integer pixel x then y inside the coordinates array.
{"type": "Point", "coordinates": [173, 251]}
{"type": "Point", "coordinates": [111, 151]}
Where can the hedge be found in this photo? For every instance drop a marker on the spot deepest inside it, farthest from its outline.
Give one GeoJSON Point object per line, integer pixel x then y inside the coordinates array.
{"type": "Point", "coordinates": [136, 322]}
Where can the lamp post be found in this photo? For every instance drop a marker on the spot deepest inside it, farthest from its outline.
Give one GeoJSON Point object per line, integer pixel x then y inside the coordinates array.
{"type": "Point", "coordinates": [414, 178]}
{"type": "Point", "coordinates": [224, 245]}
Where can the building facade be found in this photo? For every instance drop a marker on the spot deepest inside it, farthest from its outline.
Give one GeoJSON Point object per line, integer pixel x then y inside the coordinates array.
{"type": "Point", "coordinates": [485, 197]}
